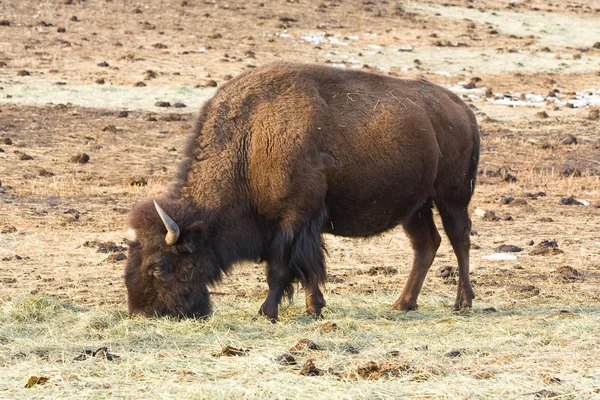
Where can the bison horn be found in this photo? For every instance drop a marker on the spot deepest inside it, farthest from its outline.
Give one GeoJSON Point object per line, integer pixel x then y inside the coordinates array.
{"type": "Point", "coordinates": [172, 228]}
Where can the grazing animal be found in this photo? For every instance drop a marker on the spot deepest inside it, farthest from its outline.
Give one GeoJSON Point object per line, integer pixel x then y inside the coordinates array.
{"type": "Point", "coordinates": [286, 152]}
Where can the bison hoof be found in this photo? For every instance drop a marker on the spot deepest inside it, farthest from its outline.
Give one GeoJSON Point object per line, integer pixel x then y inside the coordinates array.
{"type": "Point", "coordinates": [463, 302]}
{"type": "Point", "coordinates": [404, 306]}
{"type": "Point", "coordinates": [269, 313]}
{"type": "Point", "coordinates": [314, 312]}
{"type": "Point", "coordinates": [462, 307]}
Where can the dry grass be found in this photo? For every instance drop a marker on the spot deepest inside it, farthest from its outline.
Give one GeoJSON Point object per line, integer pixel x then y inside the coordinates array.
{"type": "Point", "coordinates": [434, 353]}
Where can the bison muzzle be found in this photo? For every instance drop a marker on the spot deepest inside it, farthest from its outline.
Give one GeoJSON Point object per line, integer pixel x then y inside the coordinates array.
{"type": "Point", "coordinates": [286, 152]}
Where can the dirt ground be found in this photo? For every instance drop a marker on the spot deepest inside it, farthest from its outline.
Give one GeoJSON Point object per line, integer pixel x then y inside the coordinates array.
{"type": "Point", "coordinates": [530, 70]}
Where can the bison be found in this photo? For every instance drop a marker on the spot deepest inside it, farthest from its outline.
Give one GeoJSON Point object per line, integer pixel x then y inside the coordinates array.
{"type": "Point", "coordinates": [286, 152]}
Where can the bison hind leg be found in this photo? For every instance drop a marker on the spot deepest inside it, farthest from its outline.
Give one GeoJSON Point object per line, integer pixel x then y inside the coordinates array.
{"type": "Point", "coordinates": [425, 240]}
{"type": "Point", "coordinates": [458, 228]}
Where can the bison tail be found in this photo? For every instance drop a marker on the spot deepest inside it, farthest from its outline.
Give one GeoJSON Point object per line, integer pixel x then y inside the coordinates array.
{"type": "Point", "coordinates": [474, 158]}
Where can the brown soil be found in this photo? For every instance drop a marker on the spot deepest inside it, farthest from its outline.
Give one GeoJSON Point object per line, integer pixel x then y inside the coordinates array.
{"type": "Point", "coordinates": [56, 206]}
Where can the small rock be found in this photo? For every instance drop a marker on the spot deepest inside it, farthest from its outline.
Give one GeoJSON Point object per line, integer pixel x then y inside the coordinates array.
{"type": "Point", "coordinates": [4, 22]}
{"type": "Point", "coordinates": [110, 128]}
{"type": "Point", "coordinates": [594, 114]}
{"type": "Point", "coordinates": [535, 195]}
{"type": "Point", "coordinates": [74, 18]}
{"type": "Point", "coordinates": [510, 178]}
{"type": "Point", "coordinates": [569, 140]}
{"type": "Point", "coordinates": [454, 353]}
{"type": "Point", "coordinates": [286, 359]}
{"type": "Point", "coordinates": [7, 141]}
{"type": "Point", "coordinates": [116, 257]}
{"type": "Point", "coordinates": [179, 105]}
{"type": "Point", "coordinates": [103, 64]}
{"type": "Point", "coordinates": [507, 248]}
{"type": "Point", "coordinates": [210, 83]}
{"type": "Point", "coordinates": [102, 352]}
{"type": "Point", "coordinates": [309, 369]}
{"type": "Point", "coordinates": [123, 114]}
{"type": "Point", "coordinates": [570, 201]}
{"type": "Point", "coordinates": [100, 81]}
{"type": "Point", "coordinates": [543, 394]}
{"type": "Point", "coordinates": [490, 216]}
{"type": "Point", "coordinates": [570, 171]}
{"type": "Point", "coordinates": [506, 200]}
{"type": "Point", "coordinates": [570, 274]}
{"type": "Point", "coordinates": [104, 247]}
{"type": "Point", "coordinates": [36, 380]}
{"type": "Point", "coordinates": [446, 271]}
{"type": "Point", "coordinates": [23, 73]}
{"type": "Point", "coordinates": [80, 158]}
{"type": "Point", "coordinates": [518, 202]}
{"type": "Point", "coordinates": [382, 270]}
{"type": "Point", "coordinates": [482, 375]}
{"type": "Point", "coordinates": [328, 327]}
{"type": "Point", "coordinates": [162, 104]}
{"type": "Point", "coordinates": [546, 247]}
{"type": "Point", "coordinates": [137, 181]}
{"type": "Point", "coordinates": [159, 46]}
{"type": "Point", "coordinates": [304, 344]}
{"type": "Point", "coordinates": [526, 290]}
{"type": "Point", "coordinates": [8, 229]}
{"type": "Point", "coordinates": [139, 84]}
{"type": "Point", "coordinates": [23, 156]}
{"type": "Point", "coordinates": [229, 351]}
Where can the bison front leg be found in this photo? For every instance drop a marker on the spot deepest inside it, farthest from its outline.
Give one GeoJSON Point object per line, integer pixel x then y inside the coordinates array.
{"type": "Point", "coordinates": [315, 301]}
{"type": "Point", "coordinates": [297, 257]}
{"type": "Point", "coordinates": [279, 279]}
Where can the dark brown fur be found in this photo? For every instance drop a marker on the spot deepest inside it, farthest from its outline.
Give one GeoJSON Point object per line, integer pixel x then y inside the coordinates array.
{"type": "Point", "coordinates": [288, 151]}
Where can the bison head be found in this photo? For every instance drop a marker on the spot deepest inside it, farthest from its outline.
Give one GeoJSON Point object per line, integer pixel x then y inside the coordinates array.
{"type": "Point", "coordinates": [170, 263]}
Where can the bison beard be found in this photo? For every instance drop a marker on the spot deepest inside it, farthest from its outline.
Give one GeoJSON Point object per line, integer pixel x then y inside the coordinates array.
{"type": "Point", "coordinates": [286, 152]}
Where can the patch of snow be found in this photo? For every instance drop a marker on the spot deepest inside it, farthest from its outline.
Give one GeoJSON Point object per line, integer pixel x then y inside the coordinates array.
{"type": "Point", "coordinates": [315, 39]}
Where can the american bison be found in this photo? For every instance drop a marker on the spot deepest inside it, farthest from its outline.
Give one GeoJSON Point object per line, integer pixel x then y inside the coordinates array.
{"type": "Point", "coordinates": [286, 152]}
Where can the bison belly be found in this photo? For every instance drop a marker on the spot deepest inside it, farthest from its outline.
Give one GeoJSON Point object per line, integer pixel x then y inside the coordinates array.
{"type": "Point", "coordinates": [369, 196]}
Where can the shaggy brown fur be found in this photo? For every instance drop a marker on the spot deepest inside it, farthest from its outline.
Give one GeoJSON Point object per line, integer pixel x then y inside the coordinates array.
{"type": "Point", "coordinates": [286, 152]}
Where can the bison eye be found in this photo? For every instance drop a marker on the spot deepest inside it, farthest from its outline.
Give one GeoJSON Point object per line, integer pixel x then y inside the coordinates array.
{"type": "Point", "coordinates": [184, 248]}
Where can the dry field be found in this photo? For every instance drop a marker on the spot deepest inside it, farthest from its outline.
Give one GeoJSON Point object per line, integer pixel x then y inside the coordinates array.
{"type": "Point", "coordinates": [84, 77]}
